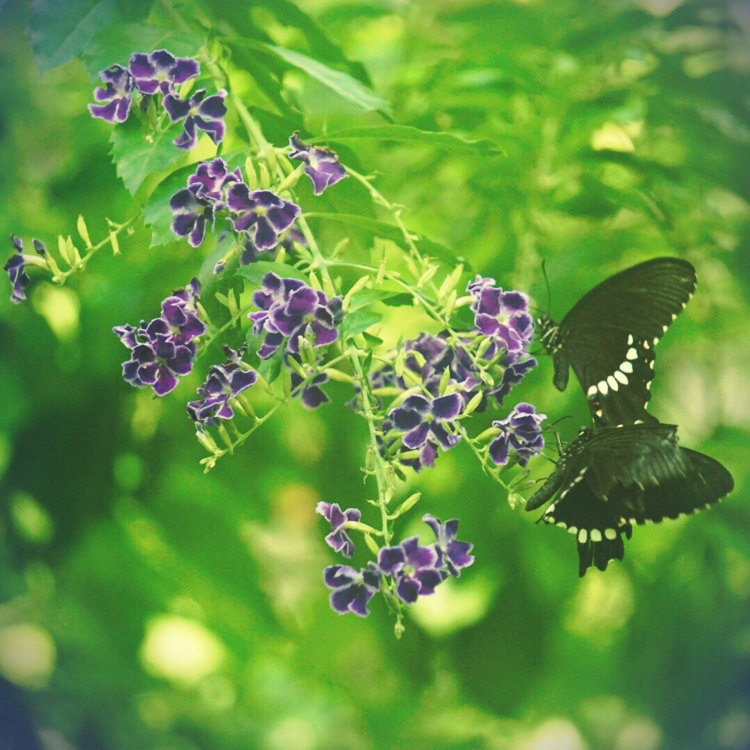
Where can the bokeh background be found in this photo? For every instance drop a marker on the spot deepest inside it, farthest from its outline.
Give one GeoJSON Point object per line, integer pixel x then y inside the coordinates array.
{"type": "Point", "coordinates": [146, 605]}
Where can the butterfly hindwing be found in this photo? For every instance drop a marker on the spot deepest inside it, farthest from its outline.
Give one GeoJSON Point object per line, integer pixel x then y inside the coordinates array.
{"type": "Point", "coordinates": [604, 483]}
{"type": "Point", "coordinates": [608, 338]}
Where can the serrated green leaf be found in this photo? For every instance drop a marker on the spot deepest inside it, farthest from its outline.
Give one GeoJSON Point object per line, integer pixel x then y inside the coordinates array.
{"type": "Point", "coordinates": [398, 300]}
{"type": "Point", "coordinates": [462, 319]}
{"type": "Point", "coordinates": [358, 322]}
{"type": "Point", "coordinates": [137, 155]}
{"type": "Point", "coordinates": [61, 30]}
{"type": "Point", "coordinates": [342, 83]}
{"type": "Point", "coordinates": [156, 212]}
{"type": "Point", "coordinates": [254, 272]}
{"type": "Point", "coordinates": [408, 134]}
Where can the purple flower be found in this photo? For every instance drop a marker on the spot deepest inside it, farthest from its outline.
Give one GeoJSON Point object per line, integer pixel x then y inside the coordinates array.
{"type": "Point", "coordinates": [514, 373]}
{"type": "Point", "coordinates": [161, 71]}
{"type": "Point", "coordinates": [198, 112]}
{"type": "Point", "coordinates": [117, 92]}
{"type": "Point", "coordinates": [520, 432]}
{"type": "Point", "coordinates": [311, 394]}
{"type": "Point", "coordinates": [290, 309]}
{"type": "Point", "coordinates": [222, 384]}
{"type": "Point", "coordinates": [16, 268]}
{"type": "Point", "coordinates": [421, 417]}
{"type": "Point", "coordinates": [414, 568]}
{"type": "Point", "coordinates": [338, 539]}
{"type": "Point", "coordinates": [452, 553]}
{"type": "Point", "coordinates": [502, 315]}
{"type": "Point", "coordinates": [191, 211]}
{"type": "Point", "coordinates": [210, 179]}
{"type": "Point", "coordinates": [164, 349]}
{"type": "Point", "coordinates": [262, 214]}
{"type": "Point", "coordinates": [321, 164]}
{"type": "Point", "coordinates": [352, 590]}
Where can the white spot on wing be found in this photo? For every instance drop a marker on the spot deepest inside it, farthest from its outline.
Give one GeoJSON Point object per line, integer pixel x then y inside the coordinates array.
{"type": "Point", "coordinates": [621, 377]}
{"type": "Point", "coordinates": [612, 383]}
{"type": "Point", "coordinates": [645, 345]}
{"type": "Point", "coordinates": [591, 391]}
{"type": "Point", "coordinates": [596, 535]}
{"type": "Point", "coordinates": [573, 530]}
{"type": "Point", "coordinates": [626, 367]}
{"type": "Point", "coordinates": [632, 354]}
{"type": "Point", "coordinates": [582, 536]}
{"type": "Point", "coordinates": [674, 315]}
{"type": "Point", "coordinates": [630, 339]}
{"type": "Point", "coordinates": [656, 340]}
{"type": "Point", "coordinates": [664, 328]}
{"type": "Point", "coordinates": [603, 387]}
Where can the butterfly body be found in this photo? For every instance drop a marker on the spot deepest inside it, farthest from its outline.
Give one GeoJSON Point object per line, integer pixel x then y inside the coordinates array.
{"type": "Point", "coordinates": [609, 335]}
{"type": "Point", "coordinates": [607, 482]}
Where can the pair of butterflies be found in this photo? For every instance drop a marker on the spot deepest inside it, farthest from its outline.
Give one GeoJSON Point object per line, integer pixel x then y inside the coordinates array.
{"type": "Point", "coordinates": [628, 469]}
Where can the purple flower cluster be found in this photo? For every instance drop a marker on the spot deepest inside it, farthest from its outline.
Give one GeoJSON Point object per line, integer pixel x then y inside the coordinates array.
{"type": "Point", "coordinates": [263, 219]}
{"type": "Point", "coordinates": [521, 433]}
{"type": "Point", "coordinates": [504, 316]}
{"type": "Point", "coordinates": [164, 349]}
{"type": "Point", "coordinates": [321, 164]}
{"type": "Point", "coordinates": [195, 206]}
{"type": "Point", "coordinates": [416, 569]}
{"type": "Point", "coordinates": [289, 308]}
{"type": "Point", "coordinates": [160, 72]}
{"type": "Point", "coordinates": [16, 268]}
{"type": "Point", "coordinates": [426, 419]}
{"type": "Point", "coordinates": [222, 384]}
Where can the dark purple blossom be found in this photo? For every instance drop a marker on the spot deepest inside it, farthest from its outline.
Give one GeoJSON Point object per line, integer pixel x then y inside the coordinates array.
{"type": "Point", "coordinates": [453, 554]}
{"type": "Point", "coordinates": [391, 445]}
{"type": "Point", "coordinates": [210, 179]}
{"type": "Point", "coordinates": [421, 417]}
{"type": "Point", "coordinates": [310, 393]}
{"type": "Point", "coordinates": [117, 92]}
{"type": "Point", "coordinates": [521, 433]}
{"type": "Point", "coordinates": [223, 383]}
{"type": "Point", "coordinates": [514, 373]}
{"type": "Point", "coordinates": [16, 268]}
{"type": "Point", "coordinates": [352, 589]}
{"type": "Point", "coordinates": [415, 569]}
{"type": "Point", "coordinates": [191, 211]}
{"type": "Point", "coordinates": [197, 113]}
{"type": "Point", "coordinates": [338, 539]}
{"type": "Point", "coordinates": [261, 213]}
{"type": "Point", "coordinates": [502, 315]}
{"type": "Point", "coordinates": [321, 164]}
{"type": "Point", "coordinates": [164, 349]}
{"type": "Point", "coordinates": [290, 309]}
{"type": "Point", "coordinates": [161, 71]}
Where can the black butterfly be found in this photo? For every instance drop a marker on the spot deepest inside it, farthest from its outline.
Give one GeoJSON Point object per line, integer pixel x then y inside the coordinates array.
{"type": "Point", "coordinates": [622, 476]}
{"type": "Point", "coordinates": [609, 335]}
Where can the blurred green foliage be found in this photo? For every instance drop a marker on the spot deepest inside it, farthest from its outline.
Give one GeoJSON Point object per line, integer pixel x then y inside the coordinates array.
{"type": "Point", "coordinates": [145, 605]}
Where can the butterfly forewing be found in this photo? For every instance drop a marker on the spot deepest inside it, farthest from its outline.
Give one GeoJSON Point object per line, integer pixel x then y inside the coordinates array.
{"type": "Point", "coordinates": [609, 336]}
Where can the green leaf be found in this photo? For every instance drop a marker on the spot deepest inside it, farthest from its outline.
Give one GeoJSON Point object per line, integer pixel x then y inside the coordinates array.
{"type": "Point", "coordinates": [137, 155]}
{"type": "Point", "coordinates": [390, 232]}
{"type": "Point", "coordinates": [367, 297]}
{"type": "Point", "coordinates": [254, 272]}
{"type": "Point", "coordinates": [358, 322]}
{"type": "Point", "coordinates": [61, 30]}
{"type": "Point", "coordinates": [342, 83]}
{"type": "Point", "coordinates": [156, 212]}
{"type": "Point", "coordinates": [462, 319]}
{"type": "Point", "coordinates": [116, 43]}
{"type": "Point", "coordinates": [408, 134]}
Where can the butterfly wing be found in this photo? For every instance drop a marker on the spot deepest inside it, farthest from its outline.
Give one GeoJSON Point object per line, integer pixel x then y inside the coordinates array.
{"type": "Point", "coordinates": [606, 483]}
{"type": "Point", "coordinates": [704, 482]}
{"type": "Point", "coordinates": [609, 335]}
